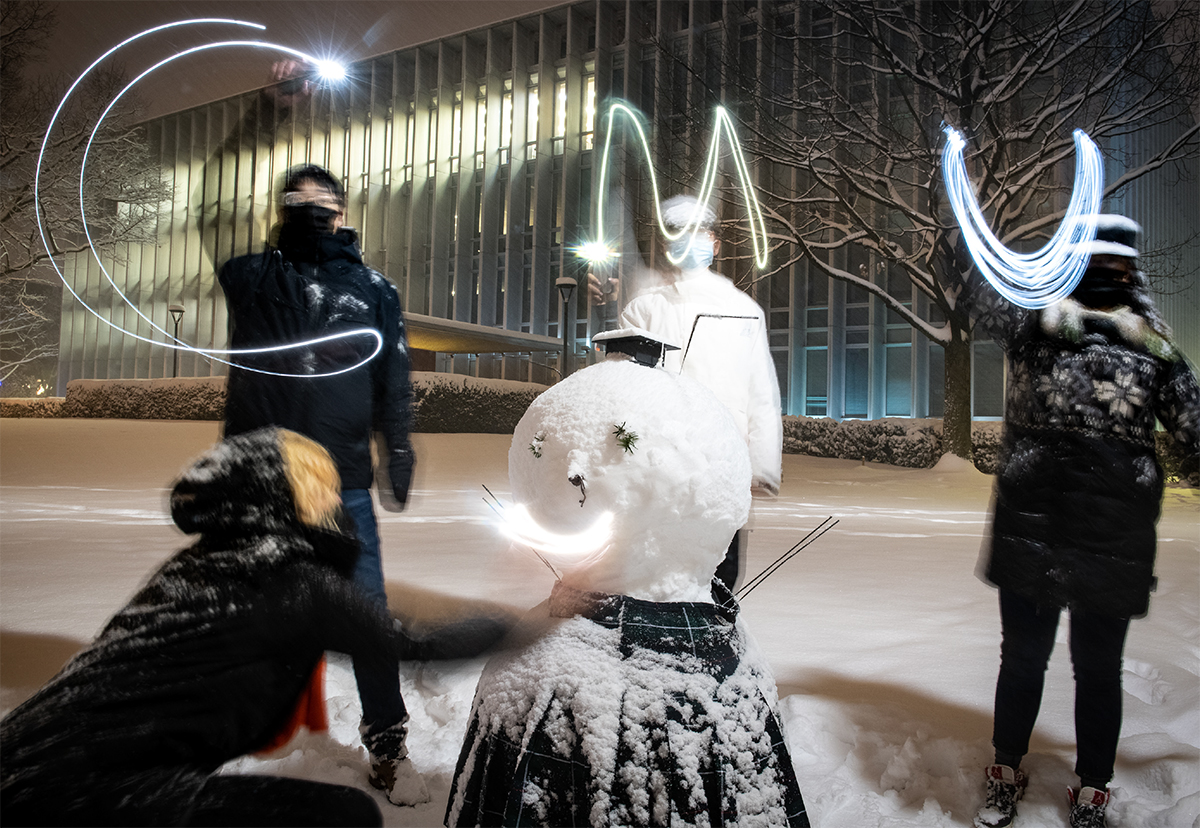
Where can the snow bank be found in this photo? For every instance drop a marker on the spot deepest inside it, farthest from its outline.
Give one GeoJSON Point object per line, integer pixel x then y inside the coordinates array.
{"type": "Point", "coordinates": [883, 643]}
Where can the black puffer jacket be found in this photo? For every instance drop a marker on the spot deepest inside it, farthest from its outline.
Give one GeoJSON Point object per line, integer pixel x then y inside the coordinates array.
{"type": "Point", "coordinates": [1079, 488]}
{"type": "Point", "coordinates": [203, 665]}
{"type": "Point", "coordinates": [273, 301]}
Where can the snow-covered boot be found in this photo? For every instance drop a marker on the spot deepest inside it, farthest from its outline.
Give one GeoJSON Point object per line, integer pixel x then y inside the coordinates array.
{"type": "Point", "coordinates": [1087, 807]}
{"type": "Point", "coordinates": [391, 770]}
{"type": "Point", "coordinates": [1005, 786]}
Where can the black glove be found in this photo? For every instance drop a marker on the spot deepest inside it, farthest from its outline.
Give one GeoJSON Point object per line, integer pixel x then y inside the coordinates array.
{"type": "Point", "coordinates": [393, 494]}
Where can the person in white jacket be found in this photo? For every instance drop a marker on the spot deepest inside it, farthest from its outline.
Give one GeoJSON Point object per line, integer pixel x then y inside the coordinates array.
{"type": "Point", "coordinates": [721, 334]}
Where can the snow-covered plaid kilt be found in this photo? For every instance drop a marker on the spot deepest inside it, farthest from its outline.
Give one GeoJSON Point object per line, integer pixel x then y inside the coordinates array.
{"type": "Point", "coordinates": [609, 710]}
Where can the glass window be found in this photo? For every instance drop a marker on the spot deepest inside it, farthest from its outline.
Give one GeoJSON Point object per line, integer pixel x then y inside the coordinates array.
{"type": "Point", "coordinates": [857, 382]}
{"type": "Point", "coordinates": [531, 122]}
{"type": "Point", "coordinates": [937, 380]}
{"type": "Point", "coordinates": [898, 402]}
{"type": "Point", "coordinates": [987, 380]}
{"type": "Point", "coordinates": [816, 371]}
{"type": "Point", "coordinates": [589, 110]}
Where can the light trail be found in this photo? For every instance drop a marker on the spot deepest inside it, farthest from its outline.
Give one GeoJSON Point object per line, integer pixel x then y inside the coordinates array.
{"type": "Point", "coordinates": [598, 250]}
{"type": "Point", "coordinates": [326, 68]}
{"type": "Point", "coordinates": [518, 525]}
{"type": "Point", "coordinates": [1041, 278]}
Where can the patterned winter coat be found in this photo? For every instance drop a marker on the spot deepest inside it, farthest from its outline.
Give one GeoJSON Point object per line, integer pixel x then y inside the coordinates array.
{"type": "Point", "coordinates": [204, 664]}
{"type": "Point", "coordinates": [273, 301]}
{"type": "Point", "coordinates": [609, 710]}
{"type": "Point", "coordinates": [1079, 488]}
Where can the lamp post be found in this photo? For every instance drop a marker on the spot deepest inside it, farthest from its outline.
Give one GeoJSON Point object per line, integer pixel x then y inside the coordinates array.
{"type": "Point", "coordinates": [566, 286]}
{"type": "Point", "coordinates": [176, 310]}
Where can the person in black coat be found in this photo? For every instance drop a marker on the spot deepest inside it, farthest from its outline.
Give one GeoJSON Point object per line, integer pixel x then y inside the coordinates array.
{"type": "Point", "coordinates": [307, 316]}
{"type": "Point", "coordinates": [207, 661]}
{"type": "Point", "coordinates": [1077, 497]}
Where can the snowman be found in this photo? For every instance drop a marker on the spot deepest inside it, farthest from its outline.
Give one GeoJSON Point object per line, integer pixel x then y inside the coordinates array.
{"type": "Point", "coordinates": [633, 696]}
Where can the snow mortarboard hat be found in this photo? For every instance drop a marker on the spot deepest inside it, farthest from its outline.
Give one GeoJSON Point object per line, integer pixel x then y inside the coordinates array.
{"type": "Point", "coordinates": [639, 345]}
{"type": "Point", "coordinates": [1115, 236]}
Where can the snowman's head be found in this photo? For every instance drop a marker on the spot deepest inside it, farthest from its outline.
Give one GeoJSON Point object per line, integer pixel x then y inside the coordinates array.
{"type": "Point", "coordinates": [633, 479]}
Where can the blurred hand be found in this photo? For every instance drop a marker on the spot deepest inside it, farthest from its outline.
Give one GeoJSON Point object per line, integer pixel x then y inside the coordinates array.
{"type": "Point", "coordinates": [600, 292]}
{"type": "Point", "coordinates": [762, 490]}
{"type": "Point", "coordinates": [288, 85]}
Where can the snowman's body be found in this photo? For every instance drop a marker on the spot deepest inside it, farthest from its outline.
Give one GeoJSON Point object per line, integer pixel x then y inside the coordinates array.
{"type": "Point", "coordinates": [633, 696]}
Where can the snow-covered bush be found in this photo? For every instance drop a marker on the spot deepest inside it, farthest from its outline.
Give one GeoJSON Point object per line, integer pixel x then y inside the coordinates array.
{"type": "Point", "coordinates": [900, 442]}
{"type": "Point", "coordinates": [985, 445]}
{"type": "Point", "coordinates": [453, 403]}
{"type": "Point", "coordinates": [31, 407]}
{"type": "Point", "coordinates": [185, 398]}
{"type": "Point", "coordinates": [442, 402]}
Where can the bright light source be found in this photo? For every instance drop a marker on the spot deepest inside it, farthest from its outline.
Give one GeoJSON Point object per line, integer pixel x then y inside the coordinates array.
{"type": "Point", "coordinates": [1041, 278]}
{"type": "Point", "coordinates": [595, 252]}
{"type": "Point", "coordinates": [330, 71]}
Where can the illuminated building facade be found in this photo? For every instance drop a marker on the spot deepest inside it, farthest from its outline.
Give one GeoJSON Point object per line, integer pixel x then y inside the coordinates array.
{"type": "Point", "coordinates": [470, 167]}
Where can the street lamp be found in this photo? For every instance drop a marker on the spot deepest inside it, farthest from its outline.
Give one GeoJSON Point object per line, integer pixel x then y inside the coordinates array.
{"type": "Point", "coordinates": [566, 286]}
{"type": "Point", "coordinates": [176, 311]}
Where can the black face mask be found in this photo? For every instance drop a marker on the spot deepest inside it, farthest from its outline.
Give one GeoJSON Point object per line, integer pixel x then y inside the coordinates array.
{"type": "Point", "coordinates": [310, 219]}
{"type": "Point", "coordinates": [304, 225]}
{"type": "Point", "coordinates": [1103, 288]}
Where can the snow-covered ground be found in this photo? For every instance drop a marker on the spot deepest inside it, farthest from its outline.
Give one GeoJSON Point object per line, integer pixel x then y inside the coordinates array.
{"type": "Point", "coordinates": [884, 644]}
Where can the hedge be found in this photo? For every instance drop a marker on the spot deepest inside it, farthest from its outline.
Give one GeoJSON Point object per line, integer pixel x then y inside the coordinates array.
{"type": "Point", "coordinates": [441, 402]}
{"type": "Point", "coordinates": [918, 444]}
{"type": "Point", "coordinates": [31, 406]}
{"type": "Point", "coordinates": [451, 403]}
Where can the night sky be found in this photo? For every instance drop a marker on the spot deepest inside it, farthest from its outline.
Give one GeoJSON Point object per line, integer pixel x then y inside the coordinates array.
{"type": "Point", "coordinates": [345, 29]}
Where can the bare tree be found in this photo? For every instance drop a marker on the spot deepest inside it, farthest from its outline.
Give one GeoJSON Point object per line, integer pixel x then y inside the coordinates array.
{"type": "Point", "coordinates": [122, 192]}
{"type": "Point", "coordinates": [844, 102]}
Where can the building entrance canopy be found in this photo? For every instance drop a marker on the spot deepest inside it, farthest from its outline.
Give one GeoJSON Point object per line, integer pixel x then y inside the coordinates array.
{"type": "Point", "coordinates": [449, 336]}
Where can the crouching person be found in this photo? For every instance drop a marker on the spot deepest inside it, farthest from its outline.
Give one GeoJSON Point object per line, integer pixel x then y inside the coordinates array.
{"type": "Point", "coordinates": [207, 661]}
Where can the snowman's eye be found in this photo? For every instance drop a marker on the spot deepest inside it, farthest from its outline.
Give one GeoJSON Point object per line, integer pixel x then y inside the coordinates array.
{"type": "Point", "coordinates": [535, 446]}
{"type": "Point", "coordinates": [626, 439]}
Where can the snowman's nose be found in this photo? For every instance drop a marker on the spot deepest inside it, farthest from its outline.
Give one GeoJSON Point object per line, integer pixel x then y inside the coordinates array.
{"type": "Point", "coordinates": [578, 480]}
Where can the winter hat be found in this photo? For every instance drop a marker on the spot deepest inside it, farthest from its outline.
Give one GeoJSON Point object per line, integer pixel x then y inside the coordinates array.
{"type": "Point", "coordinates": [680, 211]}
{"type": "Point", "coordinates": [1115, 236]}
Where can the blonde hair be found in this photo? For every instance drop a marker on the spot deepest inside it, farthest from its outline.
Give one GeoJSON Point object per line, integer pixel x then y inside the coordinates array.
{"type": "Point", "coordinates": [314, 479]}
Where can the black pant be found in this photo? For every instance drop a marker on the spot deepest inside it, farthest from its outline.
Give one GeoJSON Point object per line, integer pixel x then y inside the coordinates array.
{"type": "Point", "coordinates": [730, 566]}
{"type": "Point", "coordinates": [279, 801]}
{"type": "Point", "coordinates": [1097, 642]}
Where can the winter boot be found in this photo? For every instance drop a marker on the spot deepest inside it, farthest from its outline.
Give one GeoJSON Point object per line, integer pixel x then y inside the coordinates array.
{"type": "Point", "coordinates": [1004, 787]}
{"type": "Point", "coordinates": [1087, 807]}
{"type": "Point", "coordinates": [391, 770]}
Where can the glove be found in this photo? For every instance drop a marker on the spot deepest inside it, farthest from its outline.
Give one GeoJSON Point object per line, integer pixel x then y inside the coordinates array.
{"type": "Point", "coordinates": [393, 493]}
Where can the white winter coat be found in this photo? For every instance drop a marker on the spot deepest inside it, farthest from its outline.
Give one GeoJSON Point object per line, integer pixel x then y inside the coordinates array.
{"type": "Point", "coordinates": [727, 354]}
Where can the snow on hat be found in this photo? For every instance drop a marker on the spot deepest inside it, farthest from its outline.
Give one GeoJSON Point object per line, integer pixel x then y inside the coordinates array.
{"type": "Point", "coordinates": [678, 211]}
{"type": "Point", "coordinates": [1115, 236]}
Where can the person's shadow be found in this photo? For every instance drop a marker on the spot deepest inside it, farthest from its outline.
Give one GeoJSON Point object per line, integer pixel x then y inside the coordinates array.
{"type": "Point", "coordinates": [29, 660]}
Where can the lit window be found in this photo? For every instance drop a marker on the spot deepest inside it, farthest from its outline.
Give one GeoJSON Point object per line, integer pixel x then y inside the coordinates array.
{"type": "Point", "coordinates": [560, 109]}
{"type": "Point", "coordinates": [506, 119]}
{"type": "Point", "coordinates": [589, 110]}
{"type": "Point", "coordinates": [531, 123]}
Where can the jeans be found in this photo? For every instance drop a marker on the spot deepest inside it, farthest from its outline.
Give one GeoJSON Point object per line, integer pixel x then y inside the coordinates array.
{"type": "Point", "coordinates": [378, 676]}
{"type": "Point", "coordinates": [1097, 642]}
